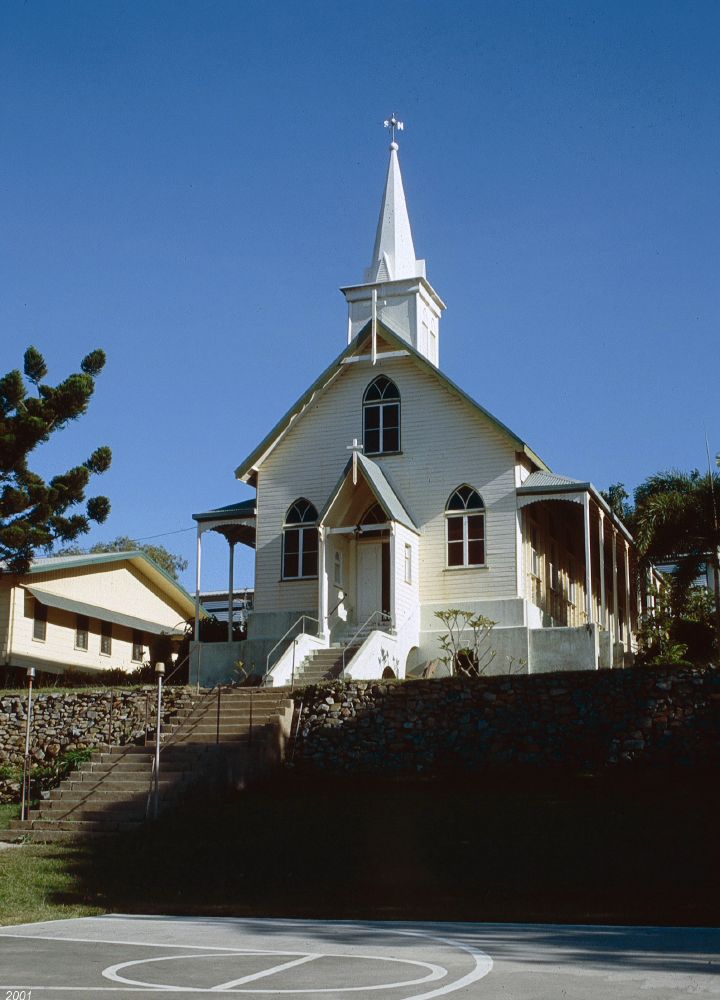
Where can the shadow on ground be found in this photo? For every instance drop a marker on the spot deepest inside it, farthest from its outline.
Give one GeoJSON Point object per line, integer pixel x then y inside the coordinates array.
{"type": "Point", "coordinates": [631, 847]}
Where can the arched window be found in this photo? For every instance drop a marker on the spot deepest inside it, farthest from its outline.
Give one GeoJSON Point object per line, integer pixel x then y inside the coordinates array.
{"type": "Point", "coordinates": [381, 417]}
{"type": "Point", "coordinates": [300, 541]}
{"type": "Point", "coordinates": [374, 515]}
{"type": "Point", "coordinates": [465, 518]}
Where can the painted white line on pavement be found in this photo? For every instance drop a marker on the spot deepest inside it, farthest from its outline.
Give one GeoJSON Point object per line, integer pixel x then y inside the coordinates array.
{"type": "Point", "coordinates": [435, 972]}
{"type": "Point", "coordinates": [265, 972]}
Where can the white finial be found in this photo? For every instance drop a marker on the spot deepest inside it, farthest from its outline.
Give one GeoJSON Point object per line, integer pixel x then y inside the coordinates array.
{"type": "Point", "coordinates": [392, 124]}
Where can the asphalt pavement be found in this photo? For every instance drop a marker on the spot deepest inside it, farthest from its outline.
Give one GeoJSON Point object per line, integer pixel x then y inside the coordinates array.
{"type": "Point", "coordinates": [124, 957]}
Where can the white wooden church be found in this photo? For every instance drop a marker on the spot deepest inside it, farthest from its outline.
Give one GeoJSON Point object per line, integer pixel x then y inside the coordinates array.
{"type": "Point", "coordinates": [387, 493]}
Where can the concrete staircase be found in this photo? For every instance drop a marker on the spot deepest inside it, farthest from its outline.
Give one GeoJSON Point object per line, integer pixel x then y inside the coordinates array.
{"type": "Point", "coordinates": [326, 664]}
{"type": "Point", "coordinates": [323, 664]}
{"type": "Point", "coordinates": [218, 737]}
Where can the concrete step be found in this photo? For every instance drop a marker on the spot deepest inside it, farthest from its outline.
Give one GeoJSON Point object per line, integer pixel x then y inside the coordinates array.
{"type": "Point", "coordinates": [209, 738]}
{"type": "Point", "coordinates": [118, 786]}
{"type": "Point", "coordinates": [93, 814]}
{"type": "Point", "coordinates": [10, 836]}
{"type": "Point", "coordinates": [98, 794]}
{"type": "Point", "coordinates": [84, 826]}
{"type": "Point", "coordinates": [115, 779]}
{"type": "Point", "coordinates": [105, 767]}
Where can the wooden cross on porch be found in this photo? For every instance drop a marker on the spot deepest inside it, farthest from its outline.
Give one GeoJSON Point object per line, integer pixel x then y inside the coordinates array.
{"type": "Point", "coordinates": [355, 448]}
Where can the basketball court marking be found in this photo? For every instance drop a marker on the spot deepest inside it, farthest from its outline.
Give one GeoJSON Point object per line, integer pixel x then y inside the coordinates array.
{"type": "Point", "coordinates": [435, 972]}
{"type": "Point", "coordinates": [197, 955]}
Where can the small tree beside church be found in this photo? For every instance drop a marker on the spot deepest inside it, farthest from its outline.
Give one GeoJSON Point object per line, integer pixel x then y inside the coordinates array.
{"type": "Point", "coordinates": [35, 514]}
{"type": "Point", "coordinates": [465, 645]}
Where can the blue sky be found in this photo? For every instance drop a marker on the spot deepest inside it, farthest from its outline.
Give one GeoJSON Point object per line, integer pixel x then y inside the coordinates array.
{"type": "Point", "coordinates": [188, 184]}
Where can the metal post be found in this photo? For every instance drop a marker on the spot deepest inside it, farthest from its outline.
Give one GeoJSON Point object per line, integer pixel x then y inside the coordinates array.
{"type": "Point", "coordinates": [217, 732]}
{"type": "Point", "coordinates": [159, 670]}
{"type": "Point", "coordinates": [231, 591]}
{"type": "Point", "coordinates": [292, 677]}
{"type": "Point", "coordinates": [588, 561]}
{"type": "Point", "coordinates": [25, 802]}
{"type": "Point", "coordinates": [251, 717]}
{"type": "Point", "coordinates": [198, 559]}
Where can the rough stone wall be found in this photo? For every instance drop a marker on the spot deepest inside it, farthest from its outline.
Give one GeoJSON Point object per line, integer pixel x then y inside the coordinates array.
{"type": "Point", "coordinates": [76, 720]}
{"type": "Point", "coordinates": [660, 715]}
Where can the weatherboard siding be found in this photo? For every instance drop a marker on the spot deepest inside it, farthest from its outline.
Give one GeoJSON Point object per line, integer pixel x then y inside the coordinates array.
{"type": "Point", "coordinates": [445, 442]}
{"type": "Point", "coordinates": [4, 621]}
{"type": "Point", "coordinates": [118, 586]}
{"type": "Point", "coordinates": [58, 647]}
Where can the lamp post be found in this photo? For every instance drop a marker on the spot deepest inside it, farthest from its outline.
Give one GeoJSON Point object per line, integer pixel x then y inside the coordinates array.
{"type": "Point", "coordinates": [159, 673]}
{"type": "Point", "coordinates": [25, 801]}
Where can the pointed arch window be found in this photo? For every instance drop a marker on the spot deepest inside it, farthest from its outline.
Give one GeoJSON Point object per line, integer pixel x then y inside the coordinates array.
{"type": "Point", "coordinates": [374, 515]}
{"type": "Point", "coordinates": [381, 417]}
{"type": "Point", "coordinates": [465, 523]}
{"type": "Point", "coordinates": [300, 541]}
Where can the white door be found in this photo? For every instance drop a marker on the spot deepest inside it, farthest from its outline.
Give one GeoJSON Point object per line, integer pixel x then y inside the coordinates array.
{"type": "Point", "coordinates": [369, 579]}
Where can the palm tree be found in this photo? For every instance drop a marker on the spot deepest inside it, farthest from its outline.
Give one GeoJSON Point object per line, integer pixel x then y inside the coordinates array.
{"type": "Point", "coordinates": [676, 521]}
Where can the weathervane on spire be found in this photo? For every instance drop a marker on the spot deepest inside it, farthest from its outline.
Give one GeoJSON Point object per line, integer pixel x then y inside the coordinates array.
{"type": "Point", "coordinates": [392, 124]}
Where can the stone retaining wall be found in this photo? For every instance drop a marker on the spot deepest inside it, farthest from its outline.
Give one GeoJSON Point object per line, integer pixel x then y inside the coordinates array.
{"type": "Point", "coordinates": [660, 715]}
{"type": "Point", "coordinates": [76, 720]}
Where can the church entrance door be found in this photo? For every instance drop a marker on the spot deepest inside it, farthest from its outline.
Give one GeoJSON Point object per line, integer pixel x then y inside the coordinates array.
{"type": "Point", "coordinates": [373, 579]}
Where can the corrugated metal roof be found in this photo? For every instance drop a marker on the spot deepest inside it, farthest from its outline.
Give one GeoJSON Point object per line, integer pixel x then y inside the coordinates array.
{"type": "Point", "coordinates": [244, 508]}
{"type": "Point", "coordinates": [64, 603]}
{"type": "Point", "coordinates": [543, 480]}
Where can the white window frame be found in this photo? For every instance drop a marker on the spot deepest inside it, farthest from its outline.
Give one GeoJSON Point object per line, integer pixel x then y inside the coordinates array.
{"type": "Point", "coordinates": [301, 527]}
{"type": "Point", "coordinates": [408, 563]}
{"type": "Point", "coordinates": [465, 515]}
{"type": "Point", "coordinates": [381, 404]}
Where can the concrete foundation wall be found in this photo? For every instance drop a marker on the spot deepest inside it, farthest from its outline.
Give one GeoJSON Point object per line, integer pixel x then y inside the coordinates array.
{"type": "Point", "coordinates": [213, 663]}
{"type": "Point", "coordinates": [559, 649]}
{"type": "Point", "coordinates": [510, 646]}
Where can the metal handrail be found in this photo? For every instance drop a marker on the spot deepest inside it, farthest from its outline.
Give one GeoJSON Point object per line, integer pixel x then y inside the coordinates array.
{"type": "Point", "coordinates": [383, 616]}
{"type": "Point", "coordinates": [300, 620]}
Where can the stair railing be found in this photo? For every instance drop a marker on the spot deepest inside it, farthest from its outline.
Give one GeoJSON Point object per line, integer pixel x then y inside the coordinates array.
{"type": "Point", "coordinates": [301, 621]}
{"type": "Point", "coordinates": [384, 617]}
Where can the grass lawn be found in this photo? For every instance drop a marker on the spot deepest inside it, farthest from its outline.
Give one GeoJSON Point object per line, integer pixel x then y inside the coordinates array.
{"type": "Point", "coordinates": [626, 847]}
{"type": "Point", "coordinates": [8, 812]}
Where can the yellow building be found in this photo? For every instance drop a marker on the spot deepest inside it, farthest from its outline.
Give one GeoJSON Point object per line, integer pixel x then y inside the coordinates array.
{"type": "Point", "coordinates": [88, 612]}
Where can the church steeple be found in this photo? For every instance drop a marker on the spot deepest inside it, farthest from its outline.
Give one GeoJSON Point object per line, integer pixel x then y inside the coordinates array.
{"type": "Point", "coordinates": [394, 250]}
{"type": "Point", "coordinates": [395, 288]}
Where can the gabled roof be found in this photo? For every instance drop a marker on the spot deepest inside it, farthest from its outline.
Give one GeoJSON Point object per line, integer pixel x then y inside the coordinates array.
{"type": "Point", "coordinates": [247, 469]}
{"type": "Point", "coordinates": [143, 562]}
{"type": "Point", "coordinates": [380, 487]}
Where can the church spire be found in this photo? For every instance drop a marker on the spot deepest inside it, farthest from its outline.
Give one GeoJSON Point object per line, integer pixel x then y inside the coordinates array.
{"type": "Point", "coordinates": [396, 290]}
{"type": "Point", "coordinates": [394, 252]}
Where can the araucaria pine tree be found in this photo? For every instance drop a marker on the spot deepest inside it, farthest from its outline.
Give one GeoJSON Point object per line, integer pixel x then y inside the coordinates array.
{"type": "Point", "coordinates": [35, 514]}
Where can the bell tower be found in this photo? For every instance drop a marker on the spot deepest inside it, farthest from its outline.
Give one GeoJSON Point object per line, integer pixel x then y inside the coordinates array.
{"type": "Point", "coordinates": [395, 286]}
